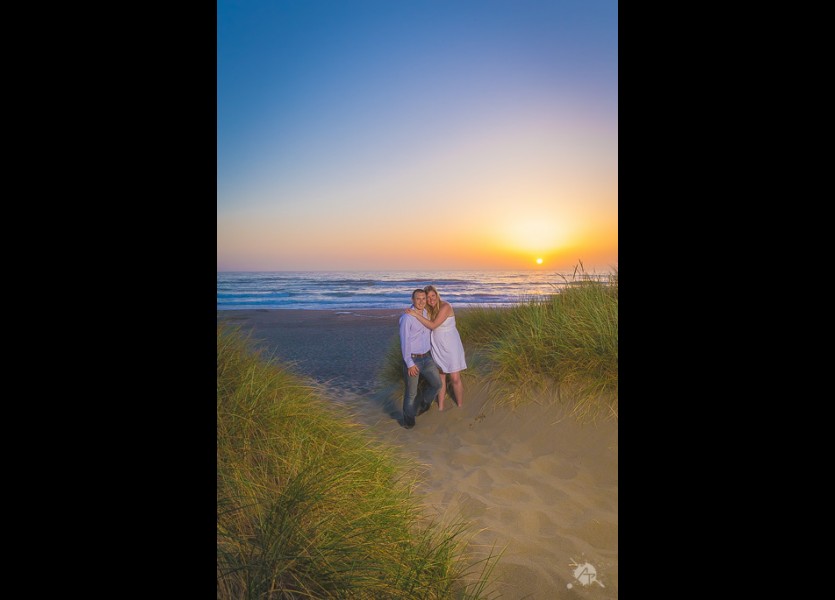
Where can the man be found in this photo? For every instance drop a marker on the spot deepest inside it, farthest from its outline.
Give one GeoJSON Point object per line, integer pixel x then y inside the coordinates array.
{"type": "Point", "coordinates": [415, 346]}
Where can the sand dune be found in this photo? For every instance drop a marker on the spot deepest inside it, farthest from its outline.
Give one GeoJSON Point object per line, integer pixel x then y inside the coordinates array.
{"type": "Point", "coordinates": [531, 480]}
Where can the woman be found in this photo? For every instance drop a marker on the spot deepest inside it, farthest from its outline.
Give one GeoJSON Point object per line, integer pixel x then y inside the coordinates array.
{"type": "Point", "coordinates": [447, 349]}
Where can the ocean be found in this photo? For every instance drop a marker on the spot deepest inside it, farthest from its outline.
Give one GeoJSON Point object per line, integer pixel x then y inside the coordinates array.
{"type": "Point", "coordinates": [346, 290]}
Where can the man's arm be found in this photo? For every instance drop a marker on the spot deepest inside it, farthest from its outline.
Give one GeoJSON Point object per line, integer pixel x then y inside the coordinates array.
{"type": "Point", "coordinates": [405, 342]}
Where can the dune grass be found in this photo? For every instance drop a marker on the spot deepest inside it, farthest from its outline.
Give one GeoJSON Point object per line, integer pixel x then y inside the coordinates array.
{"type": "Point", "coordinates": [309, 507]}
{"type": "Point", "coordinates": [563, 346]}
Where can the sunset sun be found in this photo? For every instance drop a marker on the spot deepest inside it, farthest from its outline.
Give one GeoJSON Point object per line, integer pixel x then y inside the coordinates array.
{"type": "Point", "coordinates": [539, 261]}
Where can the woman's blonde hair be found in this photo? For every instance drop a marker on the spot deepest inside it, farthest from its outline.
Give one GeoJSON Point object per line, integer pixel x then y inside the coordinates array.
{"type": "Point", "coordinates": [433, 312]}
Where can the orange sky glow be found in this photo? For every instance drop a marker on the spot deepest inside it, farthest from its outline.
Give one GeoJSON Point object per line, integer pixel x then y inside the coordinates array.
{"type": "Point", "coordinates": [433, 136]}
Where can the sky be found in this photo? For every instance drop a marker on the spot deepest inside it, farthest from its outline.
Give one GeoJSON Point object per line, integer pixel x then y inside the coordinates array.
{"type": "Point", "coordinates": [417, 134]}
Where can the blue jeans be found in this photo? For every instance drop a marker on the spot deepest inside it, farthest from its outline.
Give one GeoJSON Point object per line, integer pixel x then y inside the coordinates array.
{"type": "Point", "coordinates": [429, 371]}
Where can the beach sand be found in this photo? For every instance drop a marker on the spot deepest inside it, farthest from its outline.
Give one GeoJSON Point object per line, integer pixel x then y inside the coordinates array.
{"type": "Point", "coordinates": [531, 481]}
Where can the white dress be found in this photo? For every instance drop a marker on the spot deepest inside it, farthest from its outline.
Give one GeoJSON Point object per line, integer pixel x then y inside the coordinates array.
{"type": "Point", "coordinates": [447, 349]}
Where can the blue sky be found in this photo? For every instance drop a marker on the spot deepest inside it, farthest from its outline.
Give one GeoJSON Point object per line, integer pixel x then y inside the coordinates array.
{"type": "Point", "coordinates": [416, 134]}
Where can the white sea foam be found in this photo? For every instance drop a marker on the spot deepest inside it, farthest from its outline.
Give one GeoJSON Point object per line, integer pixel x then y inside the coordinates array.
{"type": "Point", "coordinates": [346, 290]}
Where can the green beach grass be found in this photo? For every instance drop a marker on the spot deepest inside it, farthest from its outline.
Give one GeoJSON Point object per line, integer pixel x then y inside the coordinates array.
{"type": "Point", "coordinates": [309, 507]}
{"type": "Point", "coordinates": [563, 346]}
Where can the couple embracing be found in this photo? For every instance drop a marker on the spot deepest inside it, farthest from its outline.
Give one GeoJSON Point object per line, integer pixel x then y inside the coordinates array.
{"type": "Point", "coordinates": [432, 349]}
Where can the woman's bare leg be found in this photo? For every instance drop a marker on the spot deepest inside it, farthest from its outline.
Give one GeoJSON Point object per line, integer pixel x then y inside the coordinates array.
{"type": "Point", "coordinates": [457, 388]}
{"type": "Point", "coordinates": [442, 393]}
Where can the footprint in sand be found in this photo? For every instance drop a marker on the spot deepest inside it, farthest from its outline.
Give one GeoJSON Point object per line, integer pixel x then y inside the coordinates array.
{"type": "Point", "coordinates": [478, 419]}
